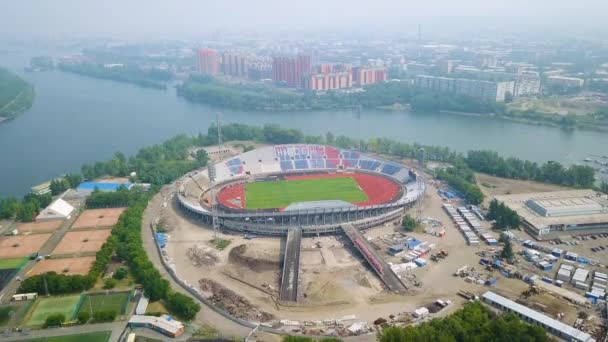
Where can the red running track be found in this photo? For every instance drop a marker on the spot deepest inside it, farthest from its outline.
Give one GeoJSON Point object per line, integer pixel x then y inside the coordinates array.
{"type": "Point", "coordinates": [378, 189]}
{"type": "Point", "coordinates": [229, 194]}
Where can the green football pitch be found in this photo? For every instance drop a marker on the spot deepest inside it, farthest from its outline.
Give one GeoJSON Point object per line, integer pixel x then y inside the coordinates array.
{"type": "Point", "coordinates": [104, 302]}
{"type": "Point", "coordinates": [53, 305]}
{"type": "Point", "coordinates": [6, 264]}
{"type": "Point", "coordinates": [280, 194]}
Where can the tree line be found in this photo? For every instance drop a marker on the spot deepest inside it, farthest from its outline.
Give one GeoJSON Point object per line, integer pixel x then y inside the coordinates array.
{"type": "Point", "coordinates": [16, 95]}
{"type": "Point", "coordinates": [462, 179]}
{"type": "Point", "coordinates": [474, 322]}
{"type": "Point", "coordinates": [158, 164]}
{"type": "Point", "coordinates": [206, 89]}
{"type": "Point", "coordinates": [130, 248]}
{"type": "Point", "coordinates": [579, 176]}
{"type": "Point", "coordinates": [153, 78]}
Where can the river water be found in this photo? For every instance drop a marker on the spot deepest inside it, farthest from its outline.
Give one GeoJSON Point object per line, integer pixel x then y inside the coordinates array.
{"type": "Point", "coordinates": [77, 119]}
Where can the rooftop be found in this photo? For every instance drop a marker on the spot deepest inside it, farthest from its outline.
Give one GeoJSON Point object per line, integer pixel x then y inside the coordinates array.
{"type": "Point", "coordinates": [538, 317]}
{"type": "Point", "coordinates": [559, 207]}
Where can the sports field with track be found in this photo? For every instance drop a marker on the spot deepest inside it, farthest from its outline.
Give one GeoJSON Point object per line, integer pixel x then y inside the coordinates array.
{"type": "Point", "coordinates": [280, 194]}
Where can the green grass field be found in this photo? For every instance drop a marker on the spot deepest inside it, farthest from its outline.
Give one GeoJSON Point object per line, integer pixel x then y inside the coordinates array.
{"type": "Point", "coordinates": [7, 264]}
{"type": "Point", "coordinates": [98, 336]}
{"type": "Point", "coordinates": [47, 306]}
{"type": "Point", "coordinates": [103, 302]}
{"type": "Point", "coordinates": [280, 194]}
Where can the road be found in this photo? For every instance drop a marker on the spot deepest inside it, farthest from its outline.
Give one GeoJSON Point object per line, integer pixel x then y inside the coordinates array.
{"type": "Point", "coordinates": [291, 266]}
{"type": "Point", "coordinates": [206, 315]}
{"type": "Point", "coordinates": [9, 290]}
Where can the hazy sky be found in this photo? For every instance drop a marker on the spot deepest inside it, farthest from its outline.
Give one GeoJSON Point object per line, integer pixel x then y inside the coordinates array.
{"type": "Point", "coordinates": [140, 18]}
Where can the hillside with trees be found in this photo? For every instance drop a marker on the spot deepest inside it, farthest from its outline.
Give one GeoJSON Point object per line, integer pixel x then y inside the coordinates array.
{"type": "Point", "coordinates": [16, 95]}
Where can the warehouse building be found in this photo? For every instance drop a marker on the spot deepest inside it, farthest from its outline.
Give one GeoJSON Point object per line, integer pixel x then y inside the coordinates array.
{"type": "Point", "coordinates": [547, 215]}
{"type": "Point", "coordinates": [552, 326]}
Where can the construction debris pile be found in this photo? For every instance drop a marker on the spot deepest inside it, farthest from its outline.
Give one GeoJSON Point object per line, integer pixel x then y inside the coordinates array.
{"type": "Point", "coordinates": [201, 256]}
{"type": "Point", "coordinates": [232, 302]}
{"type": "Point", "coordinates": [471, 275]}
{"type": "Point", "coordinates": [345, 326]}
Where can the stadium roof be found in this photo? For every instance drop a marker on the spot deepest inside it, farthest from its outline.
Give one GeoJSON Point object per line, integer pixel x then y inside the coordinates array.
{"type": "Point", "coordinates": [330, 204]}
{"type": "Point", "coordinates": [547, 321]}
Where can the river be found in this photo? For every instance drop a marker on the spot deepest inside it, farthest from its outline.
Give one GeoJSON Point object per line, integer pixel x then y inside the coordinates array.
{"type": "Point", "coordinates": [76, 119]}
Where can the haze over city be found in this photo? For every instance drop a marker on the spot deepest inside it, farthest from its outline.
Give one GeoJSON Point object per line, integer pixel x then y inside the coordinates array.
{"type": "Point", "coordinates": [303, 171]}
{"type": "Point", "coordinates": [175, 19]}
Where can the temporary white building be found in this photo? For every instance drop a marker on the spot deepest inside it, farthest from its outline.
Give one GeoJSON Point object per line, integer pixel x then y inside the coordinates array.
{"type": "Point", "coordinates": [59, 209]}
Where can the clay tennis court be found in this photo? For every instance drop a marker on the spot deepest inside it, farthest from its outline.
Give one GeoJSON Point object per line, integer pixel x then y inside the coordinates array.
{"type": "Point", "coordinates": [66, 266]}
{"type": "Point", "coordinates": [82, 242]}
{"type": "Point", "coordinates": [39, 227]}
{"type": "Point", "coordinates": [94, 218]}
{"type": "Point", "coordinates": [21, 245]}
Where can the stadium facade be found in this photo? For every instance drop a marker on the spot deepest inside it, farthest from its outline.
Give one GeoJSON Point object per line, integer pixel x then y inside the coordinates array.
{"type": "Point", "coordinates": [196, 194]}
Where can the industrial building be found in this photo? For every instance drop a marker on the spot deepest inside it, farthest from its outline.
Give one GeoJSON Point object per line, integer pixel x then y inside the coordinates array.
{"type": "Point", "coordinates": [488, 90]}
{"type": "Point", "coordinates": [552, 326]}
{"type": "Point", "coordinates": [566, 82]}
{"type": "Point", "coordinates": [547, 215]}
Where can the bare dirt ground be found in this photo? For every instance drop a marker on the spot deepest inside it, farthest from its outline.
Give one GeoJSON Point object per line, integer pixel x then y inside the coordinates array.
{"type": "Point", "coordinates": [39, 227]}
{"type": "Point", "coordinates": [67, 266]}
{"type": "Point", "coordinates": [494, 186]}
{"type": "Point", "coordinates": [21, 245]}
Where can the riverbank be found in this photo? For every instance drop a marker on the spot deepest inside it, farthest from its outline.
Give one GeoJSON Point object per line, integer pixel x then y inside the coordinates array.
{"type": "Point", "coordinates": [16, 95]}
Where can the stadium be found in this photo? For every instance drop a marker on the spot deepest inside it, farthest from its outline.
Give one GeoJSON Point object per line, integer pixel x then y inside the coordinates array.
{"type": "Point", "coordinates": [312, 187]}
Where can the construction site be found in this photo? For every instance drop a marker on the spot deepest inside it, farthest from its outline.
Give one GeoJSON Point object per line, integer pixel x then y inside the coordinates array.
{"type": "Point", "coordinates": [348, 282]}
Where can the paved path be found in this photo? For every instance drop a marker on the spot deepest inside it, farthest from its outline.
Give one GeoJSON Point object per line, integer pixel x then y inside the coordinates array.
{"type": "Point", "coordinates": [116, 328]}
{"type": "Point", "coordinates": [206, 315]}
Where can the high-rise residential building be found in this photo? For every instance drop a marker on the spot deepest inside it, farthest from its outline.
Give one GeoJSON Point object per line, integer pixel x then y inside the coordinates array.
{"type": "Point", "coordinates": [488, 90]}
{"type": "Point", "coordinates": [234, 64]}
{"type": "Point", "coordinates": [363, 76]}
{"type": "Point", "coordinates": [290, 70]}
{"type": "Point", "coordinates": [329, 77]}
{"type": "Point", "coordinates": [207, 62]}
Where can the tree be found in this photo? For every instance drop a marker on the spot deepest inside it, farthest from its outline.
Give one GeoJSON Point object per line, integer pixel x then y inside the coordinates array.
{"type": "Point", "coordinates": [120, 273]}
{"type": "Point", "coordinates": [109, 283]}
{"type": "Point", "coordinates": [182, 305]}
{"type": "Point", "coordinates": [54, 320]}
{"type": "Point", "coordinates": [83, 317]}
{"type": "Point", "coordinates": [507, 250]}
{"type": "Point", "coordinates": [73, 180]}
{"type": "Point", "coordinates": [503, 216]}
{"type": "Point", "coordinates": [104, 316]}
{"type": "Point", "coordinates": [409, 223]}
{"type": "Point", "coordinates": [604, 187]}
{"type": "Point", "coordinates": [201, 157]}
{"type": "Point", "coordinates": [58, 186]}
